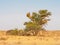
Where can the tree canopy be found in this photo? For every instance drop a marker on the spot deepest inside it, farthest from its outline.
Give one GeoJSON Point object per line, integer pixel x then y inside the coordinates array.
{"type": "Point", "coordinates": [37, 20]}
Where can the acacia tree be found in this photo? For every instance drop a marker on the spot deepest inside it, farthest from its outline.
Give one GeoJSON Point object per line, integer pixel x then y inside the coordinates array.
{"type": "Point", "coordinates": [37, 20]}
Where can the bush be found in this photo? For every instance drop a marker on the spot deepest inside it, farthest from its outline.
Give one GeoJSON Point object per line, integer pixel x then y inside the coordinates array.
{"type": "Point", "coordinates": [21, 32]}
{"type": "Point", "coordinates": [12, 32]}
{"type": "Point", "coordinates": [16, 32]}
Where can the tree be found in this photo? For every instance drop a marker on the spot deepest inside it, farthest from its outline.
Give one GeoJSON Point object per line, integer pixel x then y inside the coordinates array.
{"type": "Point", "coordinates": [37, 20]}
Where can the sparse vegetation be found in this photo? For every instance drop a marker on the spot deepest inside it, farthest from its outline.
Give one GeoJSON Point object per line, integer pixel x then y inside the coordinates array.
{"type": "Point", "coordinates": [32, 27]}
{"type": "Point", "coordinates": [12, 32]}
{"type": "Point", "coordinates": [36, 30]}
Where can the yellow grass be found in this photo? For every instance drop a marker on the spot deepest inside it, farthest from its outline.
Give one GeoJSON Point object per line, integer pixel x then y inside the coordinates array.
{"type": "Point", "coordinates": [29, 40]}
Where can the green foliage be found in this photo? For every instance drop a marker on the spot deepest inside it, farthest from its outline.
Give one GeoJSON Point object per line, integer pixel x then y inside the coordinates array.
{"type": "Point", "coordinates": [37, 20]}
{"type": "Point", "coordinates": [32, 26]}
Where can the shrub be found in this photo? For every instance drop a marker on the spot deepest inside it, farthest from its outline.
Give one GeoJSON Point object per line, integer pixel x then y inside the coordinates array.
{"type": "Point", "coordinates": [12, 32]}
{"type": "Point", "coordinates": [21, 32]}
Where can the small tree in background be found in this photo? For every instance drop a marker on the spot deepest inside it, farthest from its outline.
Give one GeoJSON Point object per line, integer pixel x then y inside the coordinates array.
{"type": "Point", "coordinates": [37, 21]}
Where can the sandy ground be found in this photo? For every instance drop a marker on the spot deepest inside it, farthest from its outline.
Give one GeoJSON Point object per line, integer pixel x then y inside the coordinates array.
{"type": "Point", "coordinates": [29, 40]}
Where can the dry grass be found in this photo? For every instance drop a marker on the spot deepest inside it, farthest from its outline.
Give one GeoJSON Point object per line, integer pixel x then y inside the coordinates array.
{"type": "Point", "coordinates": [30, 40]}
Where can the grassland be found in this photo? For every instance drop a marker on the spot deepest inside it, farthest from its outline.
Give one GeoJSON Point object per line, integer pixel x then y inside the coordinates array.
{"type": "Point", "coordinates": [50, 38]}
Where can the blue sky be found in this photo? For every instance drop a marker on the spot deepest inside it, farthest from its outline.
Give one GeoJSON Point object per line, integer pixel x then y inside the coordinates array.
{"type": "Point", "coordinates": [13, 12]}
